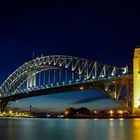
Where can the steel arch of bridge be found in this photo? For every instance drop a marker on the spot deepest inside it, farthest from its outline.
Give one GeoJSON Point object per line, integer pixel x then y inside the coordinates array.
{"type": "Point", "coordinates": [87, 69]}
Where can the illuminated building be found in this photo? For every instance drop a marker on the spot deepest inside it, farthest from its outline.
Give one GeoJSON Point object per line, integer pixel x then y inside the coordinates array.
{"type": "Point", "coordinates": [81, 88]}
{"type": "Point", "coordinates": [136, 80]}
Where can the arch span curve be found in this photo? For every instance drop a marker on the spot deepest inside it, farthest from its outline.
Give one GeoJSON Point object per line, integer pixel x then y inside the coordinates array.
{"type": "Point", "coordinates": [84, 67]}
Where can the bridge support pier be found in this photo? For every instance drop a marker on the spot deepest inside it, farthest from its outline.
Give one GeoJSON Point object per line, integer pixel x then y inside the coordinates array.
{"type": "Point", "coordinates": [3, 105]}
{"type": "Point", "coordinates": [125, 86]}
{"type": "Point", "coordinates": [31, 81]}
{"type": "Point", "coordinates": [120, 90]}
{"type": "Point", "coordinates": [136, 82]}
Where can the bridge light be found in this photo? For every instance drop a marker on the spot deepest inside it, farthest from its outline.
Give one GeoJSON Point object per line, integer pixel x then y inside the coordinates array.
{"type": "Point", "coordinates": [111, 112]}
{"type": "Point", "coordinates": [112, 74]}
{"type": "Point", "coordinates": [66, 112]}
{"type": "Point", "coordinates": [51, 84]}
{"type": "Point", "coordinates": [120, 111]}
{"type": "Point", "coordinates": [63, 83]}
{"type": "Point", "coordinates": [81, 88]}
{"type": "Point", "coordinates": [102, 76]}
{"type": "Point", "coordinates": [10, 112]}
{"type": "Point", "coordinates": [3, 113]}
{"type": "Point", "coordinates": [136, 105]}
{"type": "Point", "coordinates": [93, 77]}
{"type": "Point", "coordinates": [95, 112]}
{"type": "Point", "coordinates": [124, 71]}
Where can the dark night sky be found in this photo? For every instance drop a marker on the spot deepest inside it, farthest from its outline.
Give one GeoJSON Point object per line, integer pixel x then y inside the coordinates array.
{"type": "Point", "coordinates": [99, 30]}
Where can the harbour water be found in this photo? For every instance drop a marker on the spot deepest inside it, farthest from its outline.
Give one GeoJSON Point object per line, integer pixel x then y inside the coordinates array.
{"type": "Point", "coordinates": [69, 129]}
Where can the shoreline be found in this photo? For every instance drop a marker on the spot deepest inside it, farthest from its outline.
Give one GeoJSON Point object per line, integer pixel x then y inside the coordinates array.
{"type": "Point", "coordinates": [105, 117]}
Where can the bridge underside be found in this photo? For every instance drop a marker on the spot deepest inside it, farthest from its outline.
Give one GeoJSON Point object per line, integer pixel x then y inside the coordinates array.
{"type": "Point", "coordinates": [68, 88]}
{"type": "Point", "coordinates": [105, 86]}
{"type": "Point", "coordinates": [60, 73]}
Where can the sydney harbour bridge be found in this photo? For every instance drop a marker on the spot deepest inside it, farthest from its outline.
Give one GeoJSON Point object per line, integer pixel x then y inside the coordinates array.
{"type": "Point", "coordinates": [61, 73]}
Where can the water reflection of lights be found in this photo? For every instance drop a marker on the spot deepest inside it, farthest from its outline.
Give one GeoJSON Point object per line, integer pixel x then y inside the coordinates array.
{"type": "Point", "coordinates": [111, 119]}
{"type": "Point", "coordinates": [95, 119]}
{"type": "Point", "coordinates": [121, 119]}
{"type": "Point", "coordinates": [66, 119]}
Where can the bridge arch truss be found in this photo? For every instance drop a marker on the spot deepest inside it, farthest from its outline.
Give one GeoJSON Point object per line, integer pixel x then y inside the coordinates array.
{"type": "Point", "coordinates": [70, 69]}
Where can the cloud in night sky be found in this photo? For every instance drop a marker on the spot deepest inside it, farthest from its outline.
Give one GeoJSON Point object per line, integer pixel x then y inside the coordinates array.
{"type": "Point", "coordinates": [90, 99]}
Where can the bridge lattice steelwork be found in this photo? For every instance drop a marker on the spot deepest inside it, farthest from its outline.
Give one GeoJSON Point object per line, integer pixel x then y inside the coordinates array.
{"type": "Point", "coordinates": [64, 72]}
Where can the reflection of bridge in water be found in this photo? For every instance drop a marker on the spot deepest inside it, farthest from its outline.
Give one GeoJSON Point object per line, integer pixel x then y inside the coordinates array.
{"type": "Point", "coordinates": [59, 73]}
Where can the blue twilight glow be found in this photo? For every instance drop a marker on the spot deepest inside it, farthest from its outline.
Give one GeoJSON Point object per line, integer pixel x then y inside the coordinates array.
{"type": "Point", "coordinates": [101, 31]}
{"type": "Point", "coordinates": [58, 102]}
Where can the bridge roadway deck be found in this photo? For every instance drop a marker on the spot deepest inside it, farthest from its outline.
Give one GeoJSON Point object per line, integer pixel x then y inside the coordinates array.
{"type": "Point", "coordinates": [93, 85]}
